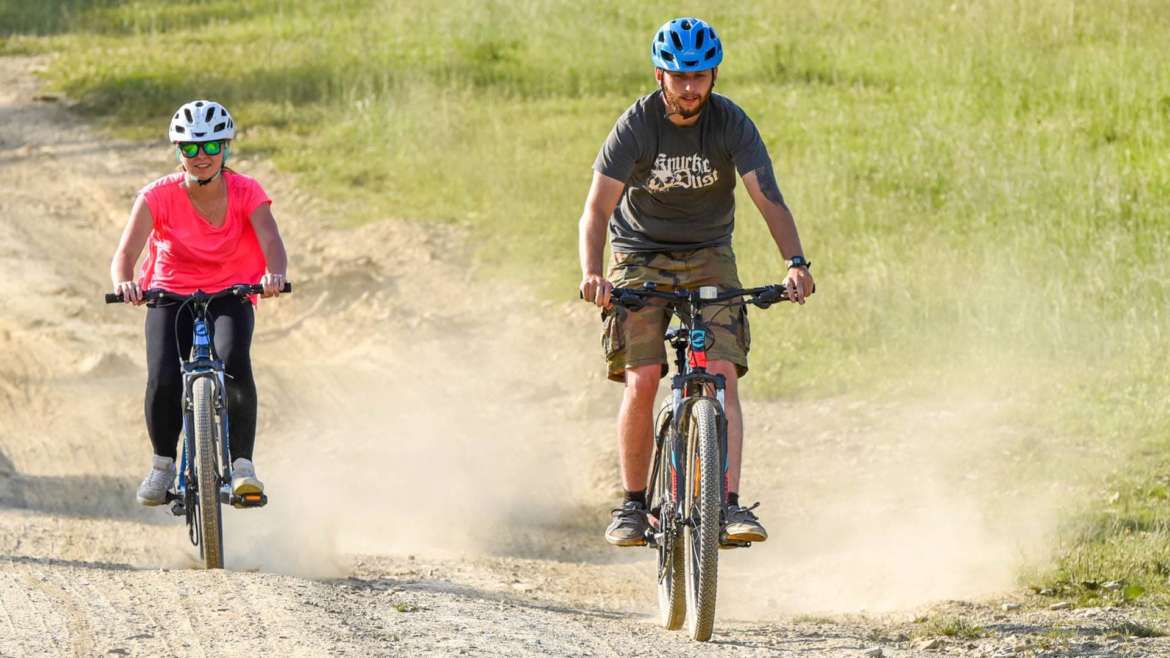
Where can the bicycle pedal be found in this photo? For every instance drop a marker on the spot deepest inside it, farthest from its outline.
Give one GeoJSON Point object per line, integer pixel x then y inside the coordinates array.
{"type": "Point", "coordinates": [727, 544]}
{"type": "Point", "coordinates": [653, 539]}
{"type": "Point", "coordinates": [178, 509]}
{"type": "Point", "coordinates": [248, 500]}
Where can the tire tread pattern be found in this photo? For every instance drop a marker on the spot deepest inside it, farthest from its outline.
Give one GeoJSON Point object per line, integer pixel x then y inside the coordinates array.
{"type": "Point", "coordinates": [207, 457]}
{"type": "Point", "coordinates": [702, 563]}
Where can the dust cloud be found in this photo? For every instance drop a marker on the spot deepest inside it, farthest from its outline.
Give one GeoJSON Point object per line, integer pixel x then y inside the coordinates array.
{"type": "Point", "coordinates": [446, 436]}
{"type": "Point", "coordinates": [890, 505]}
{"type": "Point", "coordinates": [431, 435]}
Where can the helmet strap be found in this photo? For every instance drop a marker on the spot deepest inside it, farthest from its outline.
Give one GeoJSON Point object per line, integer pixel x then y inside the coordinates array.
{"type": "Point", "coordinates": [191, 179]}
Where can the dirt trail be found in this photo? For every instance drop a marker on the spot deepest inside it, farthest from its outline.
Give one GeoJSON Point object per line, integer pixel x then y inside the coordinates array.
{"type": "Point", "coordinates": [456, 508]}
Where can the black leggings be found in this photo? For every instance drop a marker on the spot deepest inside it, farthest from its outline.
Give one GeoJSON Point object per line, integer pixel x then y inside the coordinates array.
{"type": "Point", "coordinates": [232, 330]}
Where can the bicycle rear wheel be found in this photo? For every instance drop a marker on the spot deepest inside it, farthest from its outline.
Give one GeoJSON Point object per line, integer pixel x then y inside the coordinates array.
{"type": "Point", "coordinates": [702, 508]}
{"type": "Point", "coordinates": [671, 589]}
{"type": "Point", "coordinates": [207, 460]}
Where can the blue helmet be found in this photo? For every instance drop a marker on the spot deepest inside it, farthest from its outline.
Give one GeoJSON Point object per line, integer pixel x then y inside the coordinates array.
{"type": "Point", "coordinates": [685, 44]}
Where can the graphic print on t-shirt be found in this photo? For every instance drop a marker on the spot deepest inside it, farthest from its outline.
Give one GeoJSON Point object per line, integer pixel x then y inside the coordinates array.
{"type": "Point", "coordinates": [687, 172]}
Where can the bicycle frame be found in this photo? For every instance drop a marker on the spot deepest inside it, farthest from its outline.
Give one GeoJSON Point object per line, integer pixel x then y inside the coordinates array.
{"type": "Point", "coordinates": [691, 382]}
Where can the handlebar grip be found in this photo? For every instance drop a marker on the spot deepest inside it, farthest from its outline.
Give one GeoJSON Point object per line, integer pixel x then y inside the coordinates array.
{"type": "Point", "coordinates": [114, 298]}
{"type": "Point", "coordinates": [256, 288]}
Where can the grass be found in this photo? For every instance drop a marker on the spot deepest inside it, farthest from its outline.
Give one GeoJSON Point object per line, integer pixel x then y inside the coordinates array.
{"type": "Point", "coordinates": [952, 627]}
{"type": "Point", "coordinates": [984, 188]}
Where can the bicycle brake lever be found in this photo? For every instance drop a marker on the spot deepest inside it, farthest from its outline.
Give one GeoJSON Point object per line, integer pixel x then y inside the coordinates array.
{"type": "Point", "coordinates": [765, 299]}
{"type": "Point", "coordinates": [631, 301]}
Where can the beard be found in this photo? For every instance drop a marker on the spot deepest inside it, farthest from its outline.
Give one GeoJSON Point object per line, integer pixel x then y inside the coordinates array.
{"type": "Point", "coordinates": [675, 107]}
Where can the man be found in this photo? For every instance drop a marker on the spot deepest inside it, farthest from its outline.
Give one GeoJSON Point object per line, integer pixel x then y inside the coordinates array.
{"type": "Point", "coordinates": [664, 183]}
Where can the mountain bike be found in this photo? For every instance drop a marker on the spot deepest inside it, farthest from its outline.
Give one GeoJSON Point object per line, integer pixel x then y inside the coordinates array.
{"type": "Point", "coordinates": [203, 479]}
{"type": "Point", "coordinates": [687, 487]}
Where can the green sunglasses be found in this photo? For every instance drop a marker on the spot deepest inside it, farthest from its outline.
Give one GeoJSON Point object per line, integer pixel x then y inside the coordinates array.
{"type": "Point", "coordinates": [191, 149]}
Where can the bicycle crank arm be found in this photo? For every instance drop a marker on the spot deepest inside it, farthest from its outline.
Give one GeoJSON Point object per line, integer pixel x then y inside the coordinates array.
{"type": "Point", "coordinates": [176, 501]}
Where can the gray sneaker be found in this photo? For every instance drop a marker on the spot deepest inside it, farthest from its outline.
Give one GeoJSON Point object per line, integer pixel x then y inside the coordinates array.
{"type": "Point", "coordinates": [629, 525]}
{"type": "Point", "coordinates": [244, 480]}
{"type": "Point", "coordinates": [741, 524]}
{"type": "Point", "coordinates": [153, 490]}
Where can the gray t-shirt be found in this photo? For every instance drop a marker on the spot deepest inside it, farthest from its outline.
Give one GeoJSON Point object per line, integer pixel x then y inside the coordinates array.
{"type": "Point", "coordinates": [680, 181]}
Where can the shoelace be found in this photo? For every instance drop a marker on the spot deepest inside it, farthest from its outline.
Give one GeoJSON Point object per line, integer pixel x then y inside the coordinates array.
{"type": "Point", "coordinates": [747, 510]}
{"type": "Point", "coordinates": [639, 510]}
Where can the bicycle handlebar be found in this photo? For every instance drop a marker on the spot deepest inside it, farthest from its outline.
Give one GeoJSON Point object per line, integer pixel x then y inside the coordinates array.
{"type": "Point", "coordinates": [155, 294]}
{"type": "Point", "coordinates": [763, 296]}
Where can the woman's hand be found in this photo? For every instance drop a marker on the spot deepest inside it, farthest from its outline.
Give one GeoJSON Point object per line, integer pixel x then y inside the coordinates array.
{"type": "Point", "coordinates": [130, 292]}
{"type": "Point", "coordinates": [273, 283]}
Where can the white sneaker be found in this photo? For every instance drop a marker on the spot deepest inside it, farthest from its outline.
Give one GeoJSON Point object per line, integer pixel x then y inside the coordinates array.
{"type": "Point", "coordinates": [153, 490]}
{"type": "Point", "coordinates": [244, 478]}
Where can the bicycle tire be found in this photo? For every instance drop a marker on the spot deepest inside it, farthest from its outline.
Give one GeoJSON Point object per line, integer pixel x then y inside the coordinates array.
{"type": "Point", "coordinates": [207, 460]}
{"type": "Point", "coordinates": [672, 610]}
{"type": "Point", "coordinates": [702, 506]}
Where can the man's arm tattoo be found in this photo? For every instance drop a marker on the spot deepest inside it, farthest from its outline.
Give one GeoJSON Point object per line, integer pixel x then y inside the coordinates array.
{"type": "Point", "coordinates": [767, 180]}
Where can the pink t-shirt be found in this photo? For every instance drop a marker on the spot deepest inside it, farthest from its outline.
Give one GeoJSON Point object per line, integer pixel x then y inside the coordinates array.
{"type": "Point", "coordinates": [185, 253]}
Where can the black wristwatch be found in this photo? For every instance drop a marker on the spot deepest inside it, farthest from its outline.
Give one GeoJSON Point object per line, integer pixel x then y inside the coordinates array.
{"type": "Point", "coordinates": [799, 261]}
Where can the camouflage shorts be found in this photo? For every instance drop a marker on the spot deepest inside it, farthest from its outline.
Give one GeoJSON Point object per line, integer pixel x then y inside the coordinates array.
{"type": "Point", "coordinates": [631, 339]}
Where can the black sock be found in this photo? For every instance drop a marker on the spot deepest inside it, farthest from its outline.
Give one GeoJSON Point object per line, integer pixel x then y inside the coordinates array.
{"type": "Point", "coordinates": [732, 498]}
{"type": "Point", "coordinates": [636, 496]}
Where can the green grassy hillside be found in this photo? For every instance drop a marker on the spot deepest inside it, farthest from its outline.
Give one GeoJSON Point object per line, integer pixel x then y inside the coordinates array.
{"type": "Point", "coordinates": [984, 187]}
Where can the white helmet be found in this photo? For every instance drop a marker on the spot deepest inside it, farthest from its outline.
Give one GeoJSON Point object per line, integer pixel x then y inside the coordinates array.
{"type": "Point", "coordinates": [202, 121]}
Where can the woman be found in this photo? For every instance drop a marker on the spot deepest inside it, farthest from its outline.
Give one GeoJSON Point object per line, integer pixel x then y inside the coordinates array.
{"type": "Point", "coordinates": [206, 228]}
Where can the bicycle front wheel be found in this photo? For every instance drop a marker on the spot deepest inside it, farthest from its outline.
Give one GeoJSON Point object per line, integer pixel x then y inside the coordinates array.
{"type": "Point", "coordinates": [661, 494]}
{"type": "Point", "coordinates": [702, 509]}
{"type": "Point", "coordinates": [207, 460]}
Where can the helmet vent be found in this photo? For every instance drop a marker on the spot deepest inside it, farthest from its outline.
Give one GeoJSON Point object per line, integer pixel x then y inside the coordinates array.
{"type": "Point", "coordinates": [686, 25]}
{"type": "Point", "coordinates": [709, 54]}
{"type": "Point", "coordinates": [661, 37]}
{"type": "Point", "coordinates": [209, 114]}
{"type": "Point", "coordinates": [677, 41]}
{"type": "Point", "coordinates": [190, 117]}
{"type": "Point", "coordinates": [180, 129]}
{"type": "Point", "coordinates": [699, 40]}
{"type": "Point", "coordinates": [218, 127]}
{"type": "Point", "coordinates": [667, 56]}
{"type": "Point", "coordinates": [690, 63]}
{"type": "Point", "coordinates": [198, 103]}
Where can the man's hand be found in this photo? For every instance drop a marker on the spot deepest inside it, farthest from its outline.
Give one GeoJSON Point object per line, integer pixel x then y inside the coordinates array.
{"type": "Point", "coordinates": [595, 288]}
{"type": "Point", "coordinates": [799, 283]}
